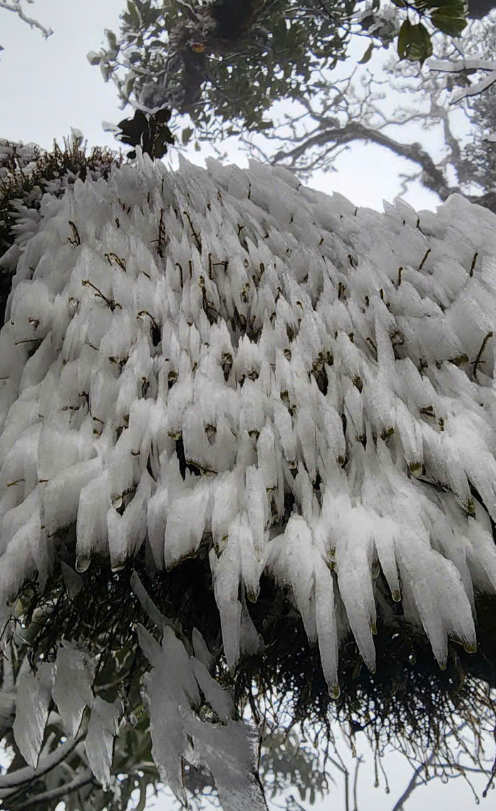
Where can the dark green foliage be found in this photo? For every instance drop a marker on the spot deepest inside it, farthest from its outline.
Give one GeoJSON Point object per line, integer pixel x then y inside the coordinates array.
{"type": "Point", "coordinates": [414, 42]}
{"type": "Point", "coordinates": [148, 131]}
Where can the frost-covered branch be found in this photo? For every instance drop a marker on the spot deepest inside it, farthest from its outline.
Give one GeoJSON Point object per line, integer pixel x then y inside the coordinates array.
{"type": "Point", "coordinates": [274, 425]}
{"type": "Point", "coordinates": [9, 783]}
{"type": "Point", "coordinates": [467, 66]}
{"type": "Point", "coordinates": [15, 6]}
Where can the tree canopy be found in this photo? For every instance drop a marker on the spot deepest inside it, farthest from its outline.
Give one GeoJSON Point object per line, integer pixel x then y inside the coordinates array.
{"type": "Point", "coordinates": [184, 63]}
{"type": "Point", "coordinates": [225, 69]}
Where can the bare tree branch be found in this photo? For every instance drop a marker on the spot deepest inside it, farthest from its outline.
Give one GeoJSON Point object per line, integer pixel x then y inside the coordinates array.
{"type": "Point", "coordinates": [432, 177]}
{"type": "Point", "coordinates": [412, 784]}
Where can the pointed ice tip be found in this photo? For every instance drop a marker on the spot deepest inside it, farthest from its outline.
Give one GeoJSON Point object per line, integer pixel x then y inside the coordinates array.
{"type": "Point", "coordinates": [118, 566]}
{"type": "Point", "coordinates": [470, 647]}
{"type": "Point", "coordinates": [252, 595]}
{"type": "Point", "coordinates": [335, 691]}
{"type": "Point", "coordinates": [396, 595]}
{"type": "Point", "coordinates": [82, 564]}
{"type": "Point", "coordinates": [442, 665]}
{"type": "Point", "coordinates": [415, 468]}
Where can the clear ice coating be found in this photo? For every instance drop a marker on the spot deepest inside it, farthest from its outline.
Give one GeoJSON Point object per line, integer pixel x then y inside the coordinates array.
{"type": "Point", "coordinates": [224, 351]}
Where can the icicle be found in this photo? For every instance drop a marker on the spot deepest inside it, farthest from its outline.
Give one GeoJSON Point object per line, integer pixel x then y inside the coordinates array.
{"type": "Point", "coordinates": [99, 744]}
{"type": "Point", "coordinates": [32, 705]}
{"type": "Point", "coordinates": [72, 689]}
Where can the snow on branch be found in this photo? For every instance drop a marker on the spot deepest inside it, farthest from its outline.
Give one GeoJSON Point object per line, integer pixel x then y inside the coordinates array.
{"type": "Point", "coordinates": [15, 6]}
{"type": "Point", "coordinates": [470, 66]}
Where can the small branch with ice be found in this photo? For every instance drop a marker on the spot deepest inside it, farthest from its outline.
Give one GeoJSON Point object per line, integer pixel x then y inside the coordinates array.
{"type": "Point", "coordinates": [467, 66]}
{"type": "Point", "coordinates": [15, 6]}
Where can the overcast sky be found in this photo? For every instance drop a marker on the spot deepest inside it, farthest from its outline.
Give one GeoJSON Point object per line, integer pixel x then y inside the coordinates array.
{"type": "Point", "coordinates": [47, 87]}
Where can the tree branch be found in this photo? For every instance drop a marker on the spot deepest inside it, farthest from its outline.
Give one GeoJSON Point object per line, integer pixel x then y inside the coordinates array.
{"type": "Point", "coordinates": [15, 6]}
{"type": "Point", "coordinates": [9, 783]}
{"type": "Point", "coordinates": [400, 802]}
{"type": "Point", "coordinates": [61, 791]}
{"type": "Point", "coordinates": [432, 177]}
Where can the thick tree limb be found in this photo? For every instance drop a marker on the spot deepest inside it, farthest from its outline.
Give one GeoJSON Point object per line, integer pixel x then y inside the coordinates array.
{"type": "Point", "coordinates": [460, 66]}
{"type": "Point", "coordinates": [60, 792]}
{"type": "Point", "coordinates": [432, 177]}
{"type": "Point", "coordinates": [10, 782]}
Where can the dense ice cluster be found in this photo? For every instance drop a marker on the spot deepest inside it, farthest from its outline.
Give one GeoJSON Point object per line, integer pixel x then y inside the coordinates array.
{"type": "Point", "coordinates": [228, 354]}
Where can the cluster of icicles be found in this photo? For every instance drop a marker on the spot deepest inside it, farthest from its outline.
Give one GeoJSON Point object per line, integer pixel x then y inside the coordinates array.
{"type": "Point", "coordinates": [224, 353]}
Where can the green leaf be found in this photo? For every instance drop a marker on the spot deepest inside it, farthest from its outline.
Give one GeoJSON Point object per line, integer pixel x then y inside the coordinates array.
{"type": "Point", "coordinates": [448, 16]}
{"type": "Point", "coordinates": [368, 53]}
{"type": "Point", "coordinates": [164, 115]}
{"type": "Point", "coordinates": [448, 23]}
{"type": "Point", "coordinates": [450, 7]}
{"type": "Point", "coordinates": [133, 14]}
{"type": "Point", "coordinates": [414, 42]}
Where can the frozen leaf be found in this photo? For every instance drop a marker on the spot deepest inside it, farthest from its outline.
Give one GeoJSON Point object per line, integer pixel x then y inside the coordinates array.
{"type": "Point", "coordinates": [32, 705]}
{"type": "Point", "coordinates": [170, 688]}
{"type": "Point", "coordinates": [229, 751]}
{"type": "Point", "coordinates": [102, 729]}
{"type": "Point", "coordinates": [72, 690]}
{"type": "Point", "coordinates": [200, 648]}
{"type": "Point", "coordinates": [218, 698]}
{"type": "Point", "coordinates": [72, 580]}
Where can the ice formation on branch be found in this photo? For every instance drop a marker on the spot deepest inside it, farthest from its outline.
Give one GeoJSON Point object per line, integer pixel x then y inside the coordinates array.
{"type": "Point", "coordinates": [224, 354]}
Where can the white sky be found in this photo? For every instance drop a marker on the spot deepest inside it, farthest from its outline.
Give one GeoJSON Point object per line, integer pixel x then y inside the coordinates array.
{"type": "Point", "coordinates": [47, 87]}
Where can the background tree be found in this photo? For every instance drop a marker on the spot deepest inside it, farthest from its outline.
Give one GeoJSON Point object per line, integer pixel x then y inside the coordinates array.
{"type": "Point", "coordinates": [450, 99]}
{"type": "Point", "coordinates": [323, 115]}
{"type": "Point", "coordinates": [201, 58]}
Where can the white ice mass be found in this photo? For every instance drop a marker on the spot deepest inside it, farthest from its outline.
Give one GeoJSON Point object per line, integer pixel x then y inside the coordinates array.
{"type": "Point", "coordinates": [227, 353]}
